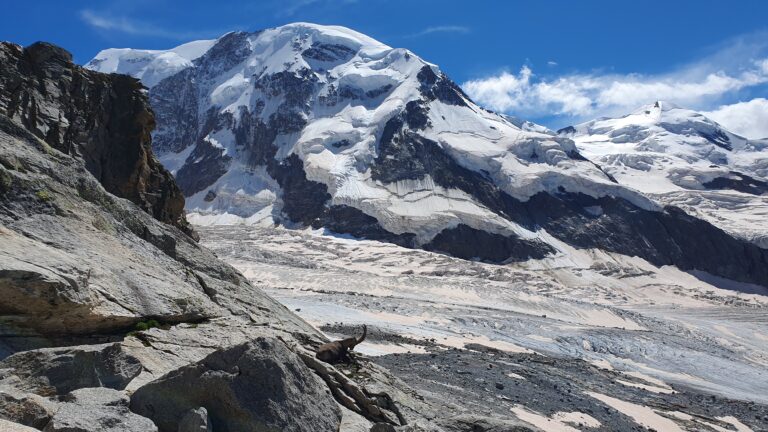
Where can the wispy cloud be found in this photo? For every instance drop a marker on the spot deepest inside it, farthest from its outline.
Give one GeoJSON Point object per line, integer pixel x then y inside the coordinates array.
{"type": "Point", "coordinates": [287, 8]}
{"type": "Point", "coordinates": [739, 65]}
{"type": "Point", "coordinates": [115, 23]}
{"type": "Point", "coordinates": [440, 29]}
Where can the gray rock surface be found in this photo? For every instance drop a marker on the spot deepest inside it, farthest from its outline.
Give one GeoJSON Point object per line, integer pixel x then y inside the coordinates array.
{"type": "Point", "coordinates": [98, 396]}
{"type": "Point", "coordinates": [256, 386]}
{"type": "Point", "coordinates": [9, 426]}
{"type": "Point", "coordinates": [97, 409]}
{"type": "Point", "coordinates": [56, 371]}
{"type": "Point", "coordinates": [480, 423]}
{"type": "Point", "coordinates": [25, 408]}
{"type": "Point", "coordinates": [195, 420]}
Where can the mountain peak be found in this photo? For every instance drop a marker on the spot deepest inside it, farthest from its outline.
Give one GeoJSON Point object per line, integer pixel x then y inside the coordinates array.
{"type": "Point", "coordinates": [281, 44]}
{"type": "Point", "coordinates": [320, 126]}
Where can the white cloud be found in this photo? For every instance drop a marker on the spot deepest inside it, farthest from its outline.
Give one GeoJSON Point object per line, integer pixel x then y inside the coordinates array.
{"type": "Point", "coordinates": [749, 119]}
{"type": "Point", "coordinates": [701, 85]}
{"type": "Point", "coordinates": [287, 8]}
{"type": "Point", "coordinates": [121, 24]}
{"type": "Point", "coordinates": [441, 29]}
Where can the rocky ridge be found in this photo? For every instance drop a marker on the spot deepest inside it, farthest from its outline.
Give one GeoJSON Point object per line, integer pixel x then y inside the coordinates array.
{"type": "Point", "coordinates": [75, 110]}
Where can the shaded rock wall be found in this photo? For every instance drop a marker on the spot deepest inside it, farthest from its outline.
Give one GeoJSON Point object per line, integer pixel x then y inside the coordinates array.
{"type": "Point", "coordinates": [103, 119]}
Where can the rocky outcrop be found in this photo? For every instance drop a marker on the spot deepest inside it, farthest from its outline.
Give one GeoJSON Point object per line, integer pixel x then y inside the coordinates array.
{"type": "Point", "coordinates": [97, 409]}
{"type": "Point", "coordinates": [255, 386]}
{"type": "Point", "coordinates": [100, 266]}
{"type": "Point", "coordinates": [103, 119]}
{"type": "Point", "coordinates": [52, 371]}
{"type": "Point", "coordinates": [25, 408]}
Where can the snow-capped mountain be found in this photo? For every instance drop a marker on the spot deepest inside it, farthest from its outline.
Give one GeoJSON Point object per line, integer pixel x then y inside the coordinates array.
{"type": "Point", "coordinates": [678, 156]}
{"type": "Point", "coordinates": [150, 66]}
{"type": "Point", "coordinates": [322, 126]}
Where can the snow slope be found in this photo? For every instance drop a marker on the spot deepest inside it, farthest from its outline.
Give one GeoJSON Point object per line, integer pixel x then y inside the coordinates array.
{"type": "Point", "coordinates": [680, 157]}
{"type": "Point", "coordinates": [151, 66]}
{"type": "Point", "coordinates": [323, 126]}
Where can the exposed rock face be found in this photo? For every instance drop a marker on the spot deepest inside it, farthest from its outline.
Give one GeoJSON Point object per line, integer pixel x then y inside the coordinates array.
{"type": "Point", "coordinates": [51, 371]}
{"type": "Point", "coordinates": [99, 265]}
{"type": "Point", "coordinates": [8, 426]}
{"type": "Point", "coordinates": [97, 409]}
{"type": "Point", "coordinates": [195, 420]}
{"type": "Point", "coordinates": [103, 119]}
{"type": "Point", "coordinates": [255, 386]}
{"type": "Point", "coordinates": [25, 408]}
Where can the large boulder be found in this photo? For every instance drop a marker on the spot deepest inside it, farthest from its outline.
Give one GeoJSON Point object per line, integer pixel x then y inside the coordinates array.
{"type": "Point", "coordinates": [257, 386]}
{"type": "Point", "coordinates": [57, 371]}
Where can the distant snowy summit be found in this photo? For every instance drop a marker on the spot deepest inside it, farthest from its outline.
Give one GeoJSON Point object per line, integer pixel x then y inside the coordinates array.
{"type": "Point", "coordinates": [662, 148]}
{"type": "Point", "coordinates": [150, 66]}
{"type": "Point", "coordinates": [680, 157]}
{"type": "Point", "coordinates": [322, 126]}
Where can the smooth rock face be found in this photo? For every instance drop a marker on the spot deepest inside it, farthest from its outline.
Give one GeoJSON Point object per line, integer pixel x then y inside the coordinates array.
{"type": "Point", "coordinates": [97, 396]}
{"type": "Point", "coordinates": [49, 371]}
{"type": "Point", "coordinates": [257, 386]}
{"type": "Point", "coordinates": [8, 426]}
{"type": "Point", "coordinates": [103, 119]}
{"type": "Point", "coordinates": [195, 420]}
{"type": "Point", "coordinates": [90, 410]}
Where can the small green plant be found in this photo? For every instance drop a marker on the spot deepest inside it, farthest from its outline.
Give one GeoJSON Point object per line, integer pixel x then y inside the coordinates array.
{"type": "Point", "coordinates": [43, 195]}
{"type": "Point", "coordinates": [143, 326]}
{"type": "Point", "coordinates": [146, 325]}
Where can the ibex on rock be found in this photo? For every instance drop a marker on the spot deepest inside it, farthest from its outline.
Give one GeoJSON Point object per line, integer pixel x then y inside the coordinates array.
{"type": "Point", "coordinates": [338, 351]}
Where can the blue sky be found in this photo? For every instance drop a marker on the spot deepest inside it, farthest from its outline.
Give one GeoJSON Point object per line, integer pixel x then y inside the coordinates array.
{"type": "Point", "coordinates": [556, 62]}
